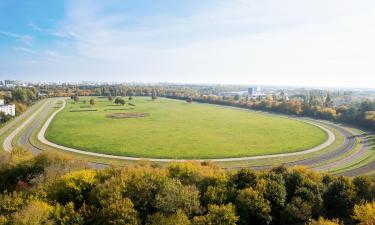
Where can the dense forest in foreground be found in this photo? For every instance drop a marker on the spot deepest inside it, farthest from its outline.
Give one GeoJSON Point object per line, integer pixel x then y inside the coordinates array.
{"type": "Point", "coordinates": [54, 189]}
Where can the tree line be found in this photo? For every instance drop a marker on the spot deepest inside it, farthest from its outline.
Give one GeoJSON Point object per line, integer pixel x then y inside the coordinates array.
{"type": "Point", "coordinates": [54, 189]}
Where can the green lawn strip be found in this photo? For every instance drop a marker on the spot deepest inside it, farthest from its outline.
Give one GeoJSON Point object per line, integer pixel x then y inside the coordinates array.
{"type": "Point", "coordinates": [356, 148]}
{"type": "Point", "coordinates": [176, 129]}
{"type": "Point", "coordinates": [30, 111]}
{"type": "Point", "coordinates": [365, 159]}
{"type": "Point", "coordinates": [368, 157]}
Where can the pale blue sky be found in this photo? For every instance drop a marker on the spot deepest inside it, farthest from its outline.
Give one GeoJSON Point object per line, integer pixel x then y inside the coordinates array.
{"type": "Point", "coordinates": [279, 42]}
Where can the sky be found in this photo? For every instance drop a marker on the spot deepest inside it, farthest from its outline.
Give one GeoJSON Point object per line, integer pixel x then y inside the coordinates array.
{"type": "Point", "coordinates": [270, 42]}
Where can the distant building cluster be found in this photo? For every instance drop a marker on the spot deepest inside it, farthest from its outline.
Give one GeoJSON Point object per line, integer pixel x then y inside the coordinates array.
{"type": "Point", "coordinates": [7, 109]}
{"type": "Point", "coordinates": [11, 83]}
{"type": "Point", "coordinates": [256, 92]}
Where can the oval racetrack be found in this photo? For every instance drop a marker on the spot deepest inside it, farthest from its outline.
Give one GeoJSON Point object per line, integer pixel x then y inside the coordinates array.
{"type": "Point", "coordinates": [325, 161]}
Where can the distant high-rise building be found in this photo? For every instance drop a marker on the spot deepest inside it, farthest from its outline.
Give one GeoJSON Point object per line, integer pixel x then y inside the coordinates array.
{"type": "Point", "coordinates": [255, 91]}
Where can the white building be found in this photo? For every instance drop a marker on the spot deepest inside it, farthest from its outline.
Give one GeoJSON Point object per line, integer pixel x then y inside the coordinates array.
{"type": "Point", "coordinates": [7, 109]}
{"type": "Point", "coordinates": [256, 92]}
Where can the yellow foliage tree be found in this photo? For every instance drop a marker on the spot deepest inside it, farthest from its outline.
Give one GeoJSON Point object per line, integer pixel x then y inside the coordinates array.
{"type": "Point", "coordinates": [322, 221]}
{"type": "Point", "coordinates": [365, 213]}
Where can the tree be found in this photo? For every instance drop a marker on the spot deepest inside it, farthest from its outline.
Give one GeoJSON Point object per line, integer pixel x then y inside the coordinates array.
{"type": "Point", "coordinates": [244, 178]}
{"type": "Point", "coordinates": [338, 198]}
{"type": "Point", "coordinates": [253, 208]}
{"type": "Point", "coordinates": [76, 98]}
{"type": "Point", "coordinates": [179, 218]}
{"type": "Point", "coordinates": [11, 203]}
{"type": "Point", "coordinates": [118, 211]}
{"type": "Point", "coordinates": [272, 187]}
{"type": "Point", "coordinates": [328, 101]}
{"type": "Point", "coordinates": [237, 97]}
{"type": "Point", "coordinates": [189, 100]}
{"type": "Point", "coordinates": [73, 187]}
{"type": "Point", "coordinates": [154, 95]}
{"type": "Point", "coordinates": [92, 102]}
{"type": "Point", "coordinates": [4, 118]}
{"type": "Point", "coordinates": [120, 101]}
{"type": "Point", "coordinates": [322, 221]}
{"type": "Point", "coordinates": [370, 119]}
{"type": "Point", "coordinates": [130, 97]}
{"type": "Point", "coordinates": [215, 195]}
{"type": "Point", "coordinates": [67, 215]}
{"type": "Point", "coordinates": [110, 98]}
{"type": "Point", "coordinates": [218, 215]}
{"type": "Point", "coordinates": [365, 213]}
{"type": "Point", "coordinates": [364, 188]}
{"type": "Point", "coordinates": [35, 213]}
{"type": "Point", "coordinates": [20, 95]}
{"type": "Point", "coordinates": [174, 196]}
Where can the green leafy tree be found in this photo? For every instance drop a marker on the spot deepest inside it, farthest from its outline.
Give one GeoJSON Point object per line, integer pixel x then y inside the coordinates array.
{"type": "Point", "coordinates": [364, 188]}
{"type": "Point", "coordinates": [119, 211]}
{"type": "Point", "coordinates": [174, 196]}
{"type": "Point", "coordinates": [92, 102]}
{"type": "Point", "coordinates": [179, 218]}
{"type": "Point", "coordinates": [67, 215]}
{"type": "Point", "coordinates": [244, 178]}
{"type": "Point", "coordinates": [189, 100]}
{"type": "Point", "coordinates": [253, 208]}
{"type": "Point", "coordinates": [154, 95]}
{"type": "Point", "coordinates": [218, 215]}
{"type": "Point", "coordinates": [339, 197]}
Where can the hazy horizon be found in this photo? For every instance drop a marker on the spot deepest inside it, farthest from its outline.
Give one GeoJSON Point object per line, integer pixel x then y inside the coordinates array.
{"type": "Point", "coordinates": [277, 43]}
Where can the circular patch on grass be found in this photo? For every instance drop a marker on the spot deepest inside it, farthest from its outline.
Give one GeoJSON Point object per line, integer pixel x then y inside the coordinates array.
{"type": "Point", "coordinates": [127, 115]}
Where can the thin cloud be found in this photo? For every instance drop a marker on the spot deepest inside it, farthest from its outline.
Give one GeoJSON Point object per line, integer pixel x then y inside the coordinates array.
{"type": "Point", "coordinates": [27, 50]}
{"type": "Point", "coordinates": [35, 27]}
{"type": "Point", "coordinates": [26, 39]}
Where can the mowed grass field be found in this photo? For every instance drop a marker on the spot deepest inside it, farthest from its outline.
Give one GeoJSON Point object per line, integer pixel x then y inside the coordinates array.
{"type": "Point", "coordinates": [177, 129]}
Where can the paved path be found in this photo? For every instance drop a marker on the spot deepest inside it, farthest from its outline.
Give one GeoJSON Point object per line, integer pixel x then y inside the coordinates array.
{"type": "Point", "coordinates": [14, 122]}
{"type": "Point", "coordinates": [345, 147]}
{"type": "Point", "coordinates": [7, 145]}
